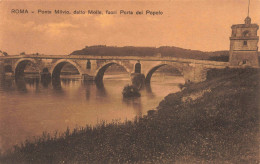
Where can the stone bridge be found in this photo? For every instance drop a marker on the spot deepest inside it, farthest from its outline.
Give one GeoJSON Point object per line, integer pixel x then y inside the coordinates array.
{"type": "Point", "coordinates": [94, 67]}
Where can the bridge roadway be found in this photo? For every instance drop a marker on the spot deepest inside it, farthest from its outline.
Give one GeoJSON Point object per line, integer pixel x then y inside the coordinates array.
{"type": "Point", "coordinates": [207, 63]}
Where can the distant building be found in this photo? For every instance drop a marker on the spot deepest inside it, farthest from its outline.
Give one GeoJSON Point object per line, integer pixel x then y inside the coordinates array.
{"type": "Point", "coordinates": [243, 44]}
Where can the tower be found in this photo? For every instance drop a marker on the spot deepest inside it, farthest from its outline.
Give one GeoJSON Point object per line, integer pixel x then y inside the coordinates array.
{"type": "Point", "coordinates": [243, 44]}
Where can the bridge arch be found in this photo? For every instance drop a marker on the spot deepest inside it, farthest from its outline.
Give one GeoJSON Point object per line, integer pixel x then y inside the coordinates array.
{"type": "Point", "coordinates": [21, 64]}
{"type": "Point", "coordinates": [153, 69]}
{"type": "Point", "coordinates": [58, 65]}
{"type": "Point", "coordinates": [102, 69]}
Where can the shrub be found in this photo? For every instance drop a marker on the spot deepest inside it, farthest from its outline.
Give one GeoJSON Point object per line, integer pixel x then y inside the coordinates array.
{"type": "Point", "coordinates": [130, 91]}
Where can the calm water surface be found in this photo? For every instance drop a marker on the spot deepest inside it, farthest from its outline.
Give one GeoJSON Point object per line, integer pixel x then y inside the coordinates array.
{"type": "Point", "coordinates": [27, 108]}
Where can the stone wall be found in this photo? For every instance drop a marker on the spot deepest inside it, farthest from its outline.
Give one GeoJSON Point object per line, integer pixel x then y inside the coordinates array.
{"type": "Point", "coordinates": [239, 45]}
{"type": "Point", "coordinates": [240, 58]}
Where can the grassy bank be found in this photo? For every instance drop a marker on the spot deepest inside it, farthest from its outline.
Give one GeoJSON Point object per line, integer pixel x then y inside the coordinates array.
{"type": "Point", "coordinates": [214, 121]}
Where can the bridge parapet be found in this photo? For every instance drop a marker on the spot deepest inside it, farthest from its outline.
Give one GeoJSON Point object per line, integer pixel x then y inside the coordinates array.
{"type": "Point", "coordinates": [135, 58]}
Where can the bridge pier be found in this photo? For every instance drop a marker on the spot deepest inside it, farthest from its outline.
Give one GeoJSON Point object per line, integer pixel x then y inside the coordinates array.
{"type": "Point", "coordinates": [87, 77]}
{"type": "Point", "coordinates": [5, 69]}
{"type": "Point", "coordinates": [45, 77]}
{"type": "Point", "coordinates": [138, 80]}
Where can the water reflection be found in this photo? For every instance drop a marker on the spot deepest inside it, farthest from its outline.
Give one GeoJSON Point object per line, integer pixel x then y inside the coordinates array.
{"type": "Point", "coordinates": [88, 88]}
{"type": "Point", "coordinates": [70, 102]}
{"type": "Point", "coordinates": [45, 82]}
{"type": "Point", "coordinates": [149, 90]}
{"type": "Point", "coordinates": [7, 85]}
{"type": "Point", "coordinates": [68, 81]}
{"type": "Point", "coordinates": [56, 84]}
{"type": "Point", "coordinates": [135, 103]}
{"type": "Point", "coordinates": [101, 90]}
{"type": "Point", "coordinates": [21, 85]}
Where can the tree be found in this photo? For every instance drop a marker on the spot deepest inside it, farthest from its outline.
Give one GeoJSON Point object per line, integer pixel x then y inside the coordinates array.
{"type": "Point", "coordinates": [5, 53]}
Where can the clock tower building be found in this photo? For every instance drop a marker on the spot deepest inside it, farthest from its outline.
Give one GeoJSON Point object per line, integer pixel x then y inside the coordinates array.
{"type": "Point", "coordinates": [243, 44]}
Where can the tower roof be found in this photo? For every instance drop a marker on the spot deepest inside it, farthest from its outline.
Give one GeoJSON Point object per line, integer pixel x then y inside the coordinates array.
{"type": "Point", "coordinates": [248, 20]}
{"type": "Point", "coordinates": [246, 24]}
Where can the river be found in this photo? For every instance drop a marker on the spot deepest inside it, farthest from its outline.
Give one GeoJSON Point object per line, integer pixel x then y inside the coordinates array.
{"type": "Point", "coordinates": [28, 108]}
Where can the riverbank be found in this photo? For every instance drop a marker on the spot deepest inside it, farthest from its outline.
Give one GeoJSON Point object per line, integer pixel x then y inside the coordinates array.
{"type": "Point", "coordinates": [213, 121]}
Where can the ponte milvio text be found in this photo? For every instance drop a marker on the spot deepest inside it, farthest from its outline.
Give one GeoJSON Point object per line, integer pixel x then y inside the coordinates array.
{"type": "Point", "coordinates": [243, 52]}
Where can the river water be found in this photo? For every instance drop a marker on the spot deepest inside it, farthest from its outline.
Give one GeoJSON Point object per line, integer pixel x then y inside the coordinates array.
{"type": "Point", "coordinates": [28, 108]}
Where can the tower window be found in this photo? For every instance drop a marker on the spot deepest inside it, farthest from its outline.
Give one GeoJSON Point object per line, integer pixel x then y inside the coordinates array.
{"type": "Point", "coordinates": [246, 33]}
{"type": "Point", "coordinates": [245, 43]}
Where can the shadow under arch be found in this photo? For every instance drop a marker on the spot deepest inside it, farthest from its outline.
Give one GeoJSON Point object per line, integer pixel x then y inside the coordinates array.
{"type": "Point", "coordinates": [20, 66]}
{"type": "Point", "coordinates": [151, 71]}
{"type": "Point", "coordinates": [57, 67]}
{"type": "Point", "coordinates": [100, 72]}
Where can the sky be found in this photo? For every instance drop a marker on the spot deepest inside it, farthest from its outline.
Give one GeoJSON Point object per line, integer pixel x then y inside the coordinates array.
{"type": "Point", "coordinates": [192, 24]}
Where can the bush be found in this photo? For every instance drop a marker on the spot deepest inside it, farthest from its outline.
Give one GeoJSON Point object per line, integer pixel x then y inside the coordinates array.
{"type": "Point", "coordinates": [130, 91]}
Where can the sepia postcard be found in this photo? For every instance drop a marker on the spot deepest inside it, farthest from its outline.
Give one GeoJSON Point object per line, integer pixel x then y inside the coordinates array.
{"type": "Point", "coordinates": [166, 81]}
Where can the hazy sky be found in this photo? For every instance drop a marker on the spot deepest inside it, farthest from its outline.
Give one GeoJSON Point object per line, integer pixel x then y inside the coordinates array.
{"type": "Point", "coordinates": [192, 24]}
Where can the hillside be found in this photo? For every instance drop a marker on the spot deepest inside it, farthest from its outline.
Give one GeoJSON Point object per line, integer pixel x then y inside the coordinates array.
{"type": "Point", "coordinates": [215, 121]}
{"type": "Point", "coordinates": [147, 51]}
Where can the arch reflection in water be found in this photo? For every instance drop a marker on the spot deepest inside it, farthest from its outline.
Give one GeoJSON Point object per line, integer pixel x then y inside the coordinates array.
{"type": "Point", "coordinates": [94, 90]}
{"type": "Point", "coordinates": [101, 90]}
{"type": "Point", "coordinates": [88, 85]}
{"type": "Point", "coordinates": [56, 85]}
{"type": "Point", "coordinates": [7, 85]}
{"type": "Point", "coordinates": [149, 91]}
{"type": "Point", "coordinates": [32, 81]}
{"type": "Point", "coordinates": [67, 86]}
{"type": "Point", "coordinates": [21, 85]}
{"type": "Point", "coordinates": [45, 82]}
